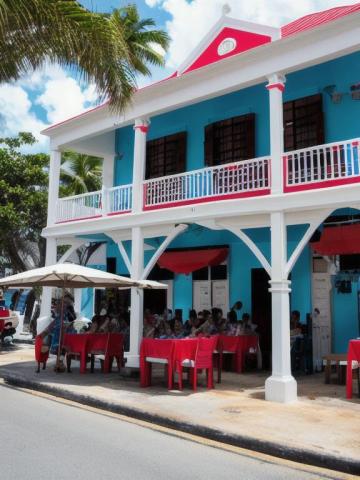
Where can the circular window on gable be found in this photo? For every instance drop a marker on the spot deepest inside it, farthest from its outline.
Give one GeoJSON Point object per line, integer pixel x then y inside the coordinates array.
{"type": "Point", "coordinates": [226, 46]}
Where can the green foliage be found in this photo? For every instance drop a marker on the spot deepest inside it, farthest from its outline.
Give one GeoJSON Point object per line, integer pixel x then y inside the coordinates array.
{"type": "Point", "coordinates": [23, 203]}
{"type": "Point", "coordinates": [108, 50]}
{"type": "Point", "coordinates": [80, 174]}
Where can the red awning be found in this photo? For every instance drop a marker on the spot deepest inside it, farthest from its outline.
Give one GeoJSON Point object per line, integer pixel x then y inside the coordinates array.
{"type": "Point", "coordinates": [188, 261]}
{"type": "Point", "coordinates": [341, 240]}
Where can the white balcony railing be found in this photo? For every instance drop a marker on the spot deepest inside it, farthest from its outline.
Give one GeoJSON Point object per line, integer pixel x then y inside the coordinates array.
{"type": "Point", "coordinates": [78, 207]}
{"type": "Point", "coordinates": [119, 199]}
{"type": "Point", "coordinates": [321, 166]}
{"type": "Point", "coordinates": [249, 177]}
{"type": "Point", "coordinates": [95, 204]}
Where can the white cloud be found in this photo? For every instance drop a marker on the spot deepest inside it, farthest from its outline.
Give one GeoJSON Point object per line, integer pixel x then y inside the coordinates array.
{"type": "Point", "coordinates": [16, 115]}
{"type": "Point", "coordinates": [152, 3]}
{"type": "Point", "coordinates": [63, 98]}
{"type": "Point", "coordinates": [51, 88]}
{"type": "Point", "coordinates": [190, 21]}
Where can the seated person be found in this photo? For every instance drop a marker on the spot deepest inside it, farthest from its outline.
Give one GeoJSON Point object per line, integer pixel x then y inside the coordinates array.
{"type": "Point", "coordinates": [208, 327]}
{"type": "Point", "coordinates": [232, 324]}
{"type": "Point", "coordinates": [178, 328]}
{"type": "Point", "coordinates": [248, 326]}
{"type": "Point", "coordinates": [149, 325]}
{"type": "Point", "coordinates": [103, 322]}
{"type": "Point", "coordinates": [160, 329]}
{"type": "Point", "coordinates": [191, 323]}
{"type": "Point", "coordinates": [237, 307]}
{"type": "Point", "coordinates": [7, 333]}
{"type": "Point", "coordinates": [94, 326]}
{"type": "Point", "coordinates": [114, 324]}
{"type": "Point", "coordinates": [168, 331]}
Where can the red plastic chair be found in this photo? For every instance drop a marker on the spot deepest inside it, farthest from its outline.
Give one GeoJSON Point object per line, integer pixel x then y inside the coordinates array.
{"type": "Point", "coordinates": [203, 361]}
{"type": "Point", "coordinates": [156, 351]}
{"type": "Point", "coordinates": [96, 345]}
{"type": "Point", "coordinates": [40, 356]}
{"type": "Point", "coordinates": [115, 349]}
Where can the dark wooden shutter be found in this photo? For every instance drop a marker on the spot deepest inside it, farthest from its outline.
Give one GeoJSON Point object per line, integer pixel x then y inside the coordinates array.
{"type": "Point", "coordinates": [166, 155]}
{"type": "Point", "coordinates": [230, 140]}
{"type": "Point", "coordinates": [303, 123]}
{"type": "Point", "coordinates": [209, 145]}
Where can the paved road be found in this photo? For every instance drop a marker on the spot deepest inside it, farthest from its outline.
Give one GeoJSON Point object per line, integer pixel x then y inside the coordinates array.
{"type": "Point", "coordinates": [43, 439]}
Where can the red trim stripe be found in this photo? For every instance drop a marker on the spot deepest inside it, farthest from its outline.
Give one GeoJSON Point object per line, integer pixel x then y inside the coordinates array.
{"type": "Point", "coordinates": [216, 198]}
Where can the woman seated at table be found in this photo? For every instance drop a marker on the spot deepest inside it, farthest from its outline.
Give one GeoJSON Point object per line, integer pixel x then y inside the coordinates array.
{"type": "Point", "coordinates": [232, 324]}
{"type": "Point", "coordinates": [193, 322]}
{"type": "Point", "coordinates": [208, 327]}
{"type": "Point", "coordinates": [248, 325]}
{"type": "Point", "coordinates": [149, 325]}
{"type": "Point", "coordinates": [178, 329]}
{"type": "Point", "coordinates": [165, 331]}
{"type": "Point", "coordinates": [100, 323]}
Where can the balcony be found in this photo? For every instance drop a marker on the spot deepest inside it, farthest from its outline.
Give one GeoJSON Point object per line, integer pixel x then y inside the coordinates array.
{"type": "Point", "coordinates": [112, 201]}
{"type": "Point", "coordinates": [323, 166]}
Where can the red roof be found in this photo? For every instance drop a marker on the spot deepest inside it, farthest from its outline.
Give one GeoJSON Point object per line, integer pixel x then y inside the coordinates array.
{"type": "Point", "coordinates": [245, 41]}
{"type": "Point", "coordinates": [315, 19]}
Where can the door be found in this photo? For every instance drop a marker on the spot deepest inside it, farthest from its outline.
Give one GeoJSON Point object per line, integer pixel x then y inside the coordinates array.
{"type": "Point", "coordinates": [220, 295]}
{"type": "Point", "coordinates": [202, 295]}
{"type": "Point", "coordinates": [261, 311]}
{"type": "Point", "coordinates": [321, 301]}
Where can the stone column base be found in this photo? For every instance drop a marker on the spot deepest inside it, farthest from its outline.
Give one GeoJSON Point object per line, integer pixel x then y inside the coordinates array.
{"type": "Point", "coordinates": [132, 361]}
{"type": "Point", "coordinates": [281, 389]}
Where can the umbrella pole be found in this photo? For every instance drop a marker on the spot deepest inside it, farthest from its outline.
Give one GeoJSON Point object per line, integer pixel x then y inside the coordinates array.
{"type": "Point", "coordinates": [61, 330]}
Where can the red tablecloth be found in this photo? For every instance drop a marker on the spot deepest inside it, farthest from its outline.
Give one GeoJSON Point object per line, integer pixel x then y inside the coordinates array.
{"type": "Point", "coordinates": [84, 344]}
{"type": "Point", "coordinates": [239, 345]}
{"type": "Point", "coordinates": [2, 325]}
{"type": "Point", "coordinates": [353, 354]}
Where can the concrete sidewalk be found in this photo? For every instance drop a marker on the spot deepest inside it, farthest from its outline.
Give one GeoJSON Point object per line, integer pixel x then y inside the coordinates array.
{"type": "Point", "coordinates": [322, 428]}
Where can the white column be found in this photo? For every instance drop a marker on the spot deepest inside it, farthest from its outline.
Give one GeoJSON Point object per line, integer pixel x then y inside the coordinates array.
{"type": "Point", "coordinates": [281, 386]}
{"type": "Point", "coordinates": [51, 251]}
{"type": "Point", "coordinates": [137, 298]}
{"type": "Point", "coordinates": [108, 171]}
{"type": "Point", "coordinates": [54, 180]}
{"type": "Point", "coordinates": [77, 300]}
{"type": "Point", "coordinates": [276, 86]}
{"type": "Point", "coordinates": [141, 128]}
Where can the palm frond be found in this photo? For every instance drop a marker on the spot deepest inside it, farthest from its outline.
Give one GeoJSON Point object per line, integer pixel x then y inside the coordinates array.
{"type": "Point", "coordinates": [108, 50]}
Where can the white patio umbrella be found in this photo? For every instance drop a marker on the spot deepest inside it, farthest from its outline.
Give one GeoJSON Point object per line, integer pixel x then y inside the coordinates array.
{"type": "Point", "coordinates": [69, 275]}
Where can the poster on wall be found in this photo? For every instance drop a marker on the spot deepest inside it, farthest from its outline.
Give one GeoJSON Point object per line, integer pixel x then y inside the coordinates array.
{"type": "Point", "coordinates": [202, 295]}
{"type": "Point", "coordinates": [220, 295]}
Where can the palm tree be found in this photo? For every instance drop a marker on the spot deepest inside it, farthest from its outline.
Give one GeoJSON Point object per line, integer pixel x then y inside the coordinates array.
{"type": "Point", "coordinates": [107, 49]}
{"type": "Point", "coordinates": [80, 174]}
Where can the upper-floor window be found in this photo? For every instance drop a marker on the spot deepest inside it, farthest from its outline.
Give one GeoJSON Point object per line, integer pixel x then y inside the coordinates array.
{"type": "Point", "coordinates": [303, 123]}
{"type": "Point", "coordinates": [166, 155]}
{"type": "Point", "coordinates": [230, 140]}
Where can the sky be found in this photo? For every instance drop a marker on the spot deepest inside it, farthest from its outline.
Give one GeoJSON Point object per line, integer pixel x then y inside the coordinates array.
{"type": "Point", "coordinates": [53, 94]}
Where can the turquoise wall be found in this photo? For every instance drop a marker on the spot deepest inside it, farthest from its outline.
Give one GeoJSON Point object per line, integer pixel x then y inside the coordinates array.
{"type": "Point", "coordinates": [342, 73]}
{"type": "Point", "coordinates": [240, 263]}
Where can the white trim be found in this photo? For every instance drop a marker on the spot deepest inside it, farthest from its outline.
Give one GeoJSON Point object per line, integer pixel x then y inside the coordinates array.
{"type": "Point", "coordinates": [172, 235]}
{"type": "Point", "coordinates": [227, 22]}
{"type": "Point", "coordinates": [117, 239]}
{"type": "Point", "coordinates": [252, 246]}
{"type": "Point", "coordinates": [75, 244]}
{"type": "Point", "coordinates": [251, 208]}
{"type": "Point", "coordinates": [296, 52]}
{"type": "Point", "coordinates": [323, 214]}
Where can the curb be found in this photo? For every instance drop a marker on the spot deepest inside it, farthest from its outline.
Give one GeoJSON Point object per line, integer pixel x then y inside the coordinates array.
{"type": "Point", "coordinates": [330, 462]}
